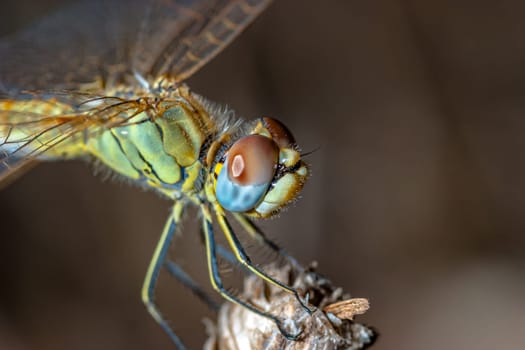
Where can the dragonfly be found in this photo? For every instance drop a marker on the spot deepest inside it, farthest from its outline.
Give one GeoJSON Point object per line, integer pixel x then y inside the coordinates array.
{"type": "Point", "coordinates": [105, 81]}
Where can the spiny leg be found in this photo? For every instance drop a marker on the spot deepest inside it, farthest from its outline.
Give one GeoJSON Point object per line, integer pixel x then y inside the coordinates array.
{"type": "Point", "coordinates": [245, 260]}
{"type": "Point", "coordinates": [176, 271]}
{"type": "Point", "coordinates": [213, 269]}
{"type": "Point", "coordinates": [157, 261]}
{"type": "Point", "coordinates": [180, 275]}
{"type": "Point", "coordinates": [255, 232]}
{"type": "Point", "coordinates": [222, 251]}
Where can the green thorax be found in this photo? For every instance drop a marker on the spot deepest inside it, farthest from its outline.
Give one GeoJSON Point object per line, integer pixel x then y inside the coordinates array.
{"type": "Point", "coordinates": [163, 147]}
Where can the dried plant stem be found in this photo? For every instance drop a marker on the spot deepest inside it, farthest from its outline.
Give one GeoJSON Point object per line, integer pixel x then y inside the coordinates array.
{"type": "Point", "coordinates": [331, 327]}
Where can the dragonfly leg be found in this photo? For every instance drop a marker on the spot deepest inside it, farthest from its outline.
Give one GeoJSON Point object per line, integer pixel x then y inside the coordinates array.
{"type": "Point", "coordinates": [148, 288]}
{"type": "Point", "coordinates": [255, 232]}
{"type": "Point", "coordinates": [245, 260]}
{"type": "Point", "coordinates": [176, 271]}
{"type": "Point", "coordinates": [213, 269]}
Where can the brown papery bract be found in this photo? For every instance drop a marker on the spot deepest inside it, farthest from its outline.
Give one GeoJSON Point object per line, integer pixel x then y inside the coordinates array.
{"type": "Point", "coordinates": [330, 327]}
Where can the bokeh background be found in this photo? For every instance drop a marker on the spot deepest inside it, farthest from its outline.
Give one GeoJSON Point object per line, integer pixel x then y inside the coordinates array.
{"type": "Point", "coordinates": [416, 197]}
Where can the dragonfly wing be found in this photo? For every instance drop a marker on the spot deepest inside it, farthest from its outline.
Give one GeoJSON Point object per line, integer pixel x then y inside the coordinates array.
{"type": "Point", "coordinates": [55, 126]}
{"type": "Point", "coordinates": [7, 173]}
{"type": "Point", "coordinates": [179, 37]}
{"type": "Point", "coordinates": [83, 46]}
{"type": "Point", "coordinates": [93, 45]}
{"type": "Point", "coordinates": [26, 140]}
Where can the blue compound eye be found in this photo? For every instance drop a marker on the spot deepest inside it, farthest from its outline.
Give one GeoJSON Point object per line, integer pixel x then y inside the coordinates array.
{"type": "Point", "coordinates": [247, 173]}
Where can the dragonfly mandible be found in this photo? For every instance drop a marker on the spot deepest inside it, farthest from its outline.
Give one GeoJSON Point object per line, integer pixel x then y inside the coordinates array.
{"type": "Point", "coordinates": [104, 80]}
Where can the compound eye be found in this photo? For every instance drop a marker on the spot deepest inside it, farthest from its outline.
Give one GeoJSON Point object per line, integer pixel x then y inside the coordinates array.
{"type": "Point", "coordinates": [247, 173]}
{"type": "Point", "coordinates": [280, 133]}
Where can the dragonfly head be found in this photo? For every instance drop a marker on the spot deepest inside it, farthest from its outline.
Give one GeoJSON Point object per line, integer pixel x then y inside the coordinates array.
{"type": "Point", "coordinates": [260, 173]}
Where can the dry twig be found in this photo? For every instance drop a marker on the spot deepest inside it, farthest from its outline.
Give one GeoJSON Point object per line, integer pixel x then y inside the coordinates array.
{"type": "Point", "coordinates": [331, 327]}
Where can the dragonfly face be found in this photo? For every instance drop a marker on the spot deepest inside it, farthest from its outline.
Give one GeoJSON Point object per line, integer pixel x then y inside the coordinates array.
{"type": "Point", "coordinates": [121, 99]}
{"type": "Point", "coordinates": [260, 173]}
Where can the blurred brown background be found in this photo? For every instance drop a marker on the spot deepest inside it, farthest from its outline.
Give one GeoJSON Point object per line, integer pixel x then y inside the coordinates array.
{"type": "Point", "coordinates": [416, 199]}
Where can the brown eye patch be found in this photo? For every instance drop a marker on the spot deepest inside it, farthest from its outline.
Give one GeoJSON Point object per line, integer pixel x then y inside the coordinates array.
{"type": "Point", "coordinates": [280, 133]}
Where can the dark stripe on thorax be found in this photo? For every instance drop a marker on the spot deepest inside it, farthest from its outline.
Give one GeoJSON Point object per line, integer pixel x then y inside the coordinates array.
{"type": "Point", "coordinates": [124, 152]}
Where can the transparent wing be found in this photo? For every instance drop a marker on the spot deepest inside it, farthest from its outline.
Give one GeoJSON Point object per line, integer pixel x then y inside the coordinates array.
{"type": "Point", "coordinates": [80, 47]}
{"type": "Point", "coordinates": [94, 45]}
{"type": "Point", "coordinates": [37, 127]}
{"type": "Point", "coordinates": [179, 37]}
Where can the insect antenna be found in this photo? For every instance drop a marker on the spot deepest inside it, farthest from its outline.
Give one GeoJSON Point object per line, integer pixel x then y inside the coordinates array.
{"type": "Point", "coordinates": [305, 154]}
